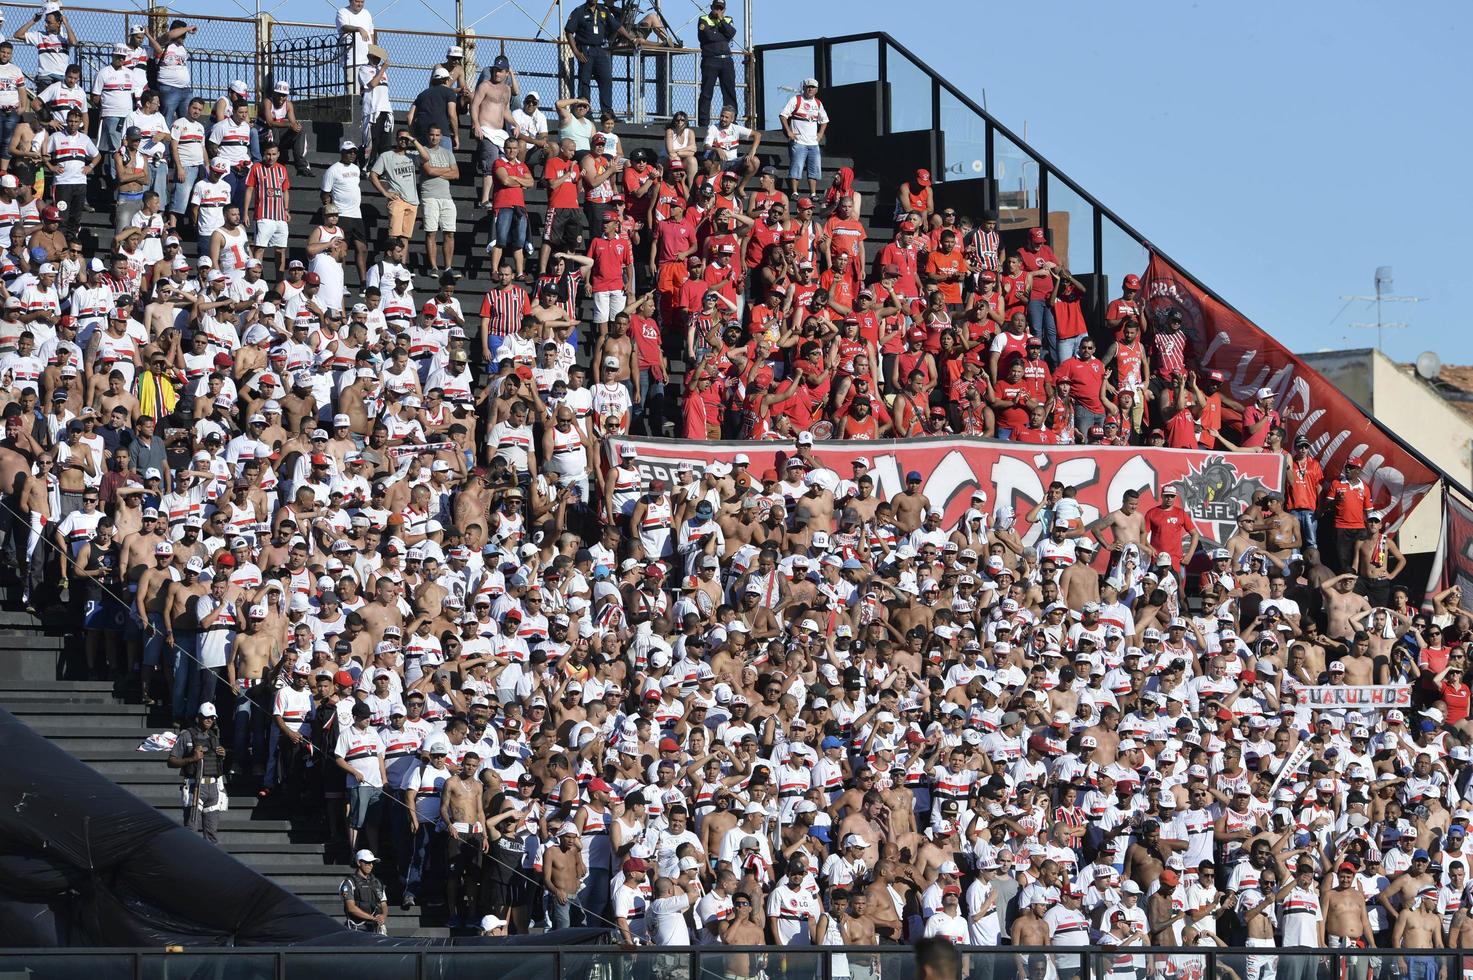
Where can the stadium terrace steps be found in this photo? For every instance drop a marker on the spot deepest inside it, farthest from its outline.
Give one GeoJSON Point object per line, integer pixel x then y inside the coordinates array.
{"type": "Point", "coordinates": [85, 719]}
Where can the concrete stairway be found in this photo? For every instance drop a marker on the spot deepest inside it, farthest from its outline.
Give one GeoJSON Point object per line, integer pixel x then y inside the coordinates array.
{"type": "Point", "coordinates": [84, 718]}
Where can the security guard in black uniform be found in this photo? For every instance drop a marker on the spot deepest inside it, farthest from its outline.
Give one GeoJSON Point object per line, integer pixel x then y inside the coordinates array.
{"type": "Point", "coordinates": [589, 31]}
{"type": "Point", "coordinates": [365, 903]}
{"type": "Point", "coordinates": [715, 32]}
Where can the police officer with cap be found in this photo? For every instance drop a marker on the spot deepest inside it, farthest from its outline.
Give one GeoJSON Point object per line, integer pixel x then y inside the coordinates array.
{"type": "Point", "coordinates": [365, 903]}
{"type": "Point", "coordinates": [200, 755]}
{"type": "Point", "coordinates": [588, 32]}
{"type": "Point", "coordinates": [715, 31]}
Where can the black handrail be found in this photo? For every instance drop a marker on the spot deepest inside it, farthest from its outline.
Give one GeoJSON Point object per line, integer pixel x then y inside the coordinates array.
{"type": "Point", "coordinates": [822, 52]}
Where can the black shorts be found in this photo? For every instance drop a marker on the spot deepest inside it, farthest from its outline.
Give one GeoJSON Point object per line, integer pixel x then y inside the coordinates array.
{"type": "Point", "coordinates": [503, 885]}
{"type": "Point", "coordinates": [487, 153]}
{"type": "Point", "coordinates": [353, 229]}
{"type": "Point", "coordinates": [561, 225]}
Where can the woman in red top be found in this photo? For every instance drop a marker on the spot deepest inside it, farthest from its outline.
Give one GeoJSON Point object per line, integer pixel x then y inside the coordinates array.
{"type": "Point", "coordinates": [1014, 289]}
{"type": "Point", "coordinates": [1454, 692]}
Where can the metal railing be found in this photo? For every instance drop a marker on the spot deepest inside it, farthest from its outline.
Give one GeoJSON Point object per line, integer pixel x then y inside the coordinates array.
{"type": "Point", "coordinates": [719, 962]}
{"type": "Point", "coordinates": [963, 142]}
{"type": "Point", "coordinates": [651, 83]}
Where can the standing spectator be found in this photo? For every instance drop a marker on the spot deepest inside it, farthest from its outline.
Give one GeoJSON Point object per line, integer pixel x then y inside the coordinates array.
{"type": "Point", "coordinates": [511, 179]}
{"type": "Point", "coordinates": [131, 167]}
{"type": "Point", "coordinates": [268, 204]}
{"type": "Point", "coordinates": [112, 92]}
{"type": "Point", "coordinates": [714, 32]}
{"type": "Point", "coordinates": [64, 96]}
{"type": "Point", "coordinates": [71, 158]}
{"type": "Point", "coordinates": [13, 100]}
{"type": "Point", "coordinates": [436, 106]}
{"type": "Point", "coordinates": [804, 121]}
{"type": "Point", "coordinates": [1092, 392]}
{"type": "Point", "coordinates": [149, 121]}
{"type": "Point", "coordinates": [188, 147]}
{"type": "Point", "coordinates": [397, 167]}
{"type": "Point", "coordinates": [1349, 501]}
{"type": "Point", "coordinates": [564, 218]}
{"type": "Point", "coordinates": [1302, 485]}
{"type": "Point", "coordinates": [173, 77]}
{"type": "Point", "coordinates": [53, 44]}
{"type": "Point", "coordinates": [378, 112]}
{"type": "Point", "coordinates": [277, 119]}
{"type": "Point", "coordinates": [437, 169]}
{"type": "Point", "coordinates": [1040, 265]}
{"type": "Point", "coordinates": [356, 24]}
{"type": "Point", "coordinates": [1167, 524]}
{"type": "Point", "coordinates": [491, 121]}
{"type": "Point", "coordinates": [341, 190]}
{"type": "Point", "coordinates": [588, 32]}
{"type": "Point", "coordinates": [613, 272]}
{"type": "Point", "coordinates": [502, 312]}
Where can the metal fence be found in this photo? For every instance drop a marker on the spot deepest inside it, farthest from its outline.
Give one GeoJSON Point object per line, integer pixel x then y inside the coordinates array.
{"type": "Point", "coordinates": [726, 962]}
{"type": "Point", "coordinates": [650, 85]}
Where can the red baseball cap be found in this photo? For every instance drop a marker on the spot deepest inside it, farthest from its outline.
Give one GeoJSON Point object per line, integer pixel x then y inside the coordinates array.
{"type": "Point", "coordinates": [597, 785]}
{"type": "Point", "coordinates": [1036, 235]}
{"type": "Point", "coordinates": [1355, 461]}
{"type": "Point", "coordinates": [923, 177]}
{"type": "Point", "coordinates": [1132, 281]}
{"type": "Point", "coordinates": [313, 279]}
{"type": "Point", "coordinates": [805, 202]}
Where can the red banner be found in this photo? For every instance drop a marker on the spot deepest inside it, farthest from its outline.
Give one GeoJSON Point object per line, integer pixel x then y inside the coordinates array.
{"type": "Point", "coordinates": [1454, 562]}
{"type": "Point", "coordinates": [1213, 487]}
{"type": "Point", "coordinates": [1224, 340]}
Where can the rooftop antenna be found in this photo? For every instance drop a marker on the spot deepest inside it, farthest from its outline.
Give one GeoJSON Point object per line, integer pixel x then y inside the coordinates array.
{"type": "Point", "coordinates": [1383, 295]}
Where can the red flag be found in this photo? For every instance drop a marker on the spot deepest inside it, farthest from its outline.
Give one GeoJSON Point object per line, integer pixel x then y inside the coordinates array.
{"type": "Point", "coordinates": [1224, 340]}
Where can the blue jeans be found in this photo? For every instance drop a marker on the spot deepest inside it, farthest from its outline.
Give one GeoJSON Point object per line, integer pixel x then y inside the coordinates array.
{"type": "Point", "coordinates": [1084, 418]}
{"type": "Point", "coordinates": [110, 133]}
{"type": "Point", "coordinates": [1068, 347]}
{"type": "Point", "coordinates": [559, 914]}
{"type": "Point", "coordinates": [179, 197]}
{"type": "Point", "coordinates": [1041, 324]}
{"type": "Point", "coordinates": [510, 231]}
{"type": "Point", "coordinates": [8, 120]}
{"type": "Point", "coordinates": [426, 873]}
{"type": "Point", "coordinates": [1308, 528]}
{"type": "Point", "coordinates": [173, 101]}
{"type": "Point", "coordinates": [158, 179]}
{"type": "Point", "coordinates": [804, 161]}
{"type": "Point", "coordinates": [185, 670]}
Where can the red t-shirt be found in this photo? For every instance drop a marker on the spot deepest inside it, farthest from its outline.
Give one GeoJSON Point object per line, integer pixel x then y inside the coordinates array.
{"type": "Point", "coordinates": [1089, 381]}
{"type": "Point", "coordinates": [672, 238]}
{"type": "Point", "coordinates": [1455, 697]}
{"type": "Point", "coordinates": [508, 195]}
{"type": "Point", "coordinates": [1043, 284]}
{"type": "Point", "coordinates": [646, 333]}
{"type": "Point", "coordinates": [1167, 527]}
{"type": "Point", "coordinates": [1013, 417]}
{"type": "Point", "coordinates": [953, 264]}
{"type": "Point", "coordinates": [564, 195]}
{"type": "Point", "coordinates": [611, 256]}
{"type": "Point", "coordinates": [1351, 502]}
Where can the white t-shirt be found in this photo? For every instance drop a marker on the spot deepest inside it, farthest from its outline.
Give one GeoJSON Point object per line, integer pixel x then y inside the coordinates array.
{"type": "Point", "coordinates": [174, 66]}
{"type": "Point", "coordinates": [375, 97]}
{"type": "Point", "coordinates": [341, 181]}
{"type": "Point", "coordinates": [12, 80]}
{"type": "Point", "coordinates": [727, 140]}
{"type": "Point", "coordinates": [358, 50]}
{"type": "Point", "coordinates": [804, 117]}
{"type": "Point", "coordinates": [667, 920]}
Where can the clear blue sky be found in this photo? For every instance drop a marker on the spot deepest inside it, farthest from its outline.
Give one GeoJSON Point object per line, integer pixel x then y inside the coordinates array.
{"type": "Point", "coordinates": [1279, 151]}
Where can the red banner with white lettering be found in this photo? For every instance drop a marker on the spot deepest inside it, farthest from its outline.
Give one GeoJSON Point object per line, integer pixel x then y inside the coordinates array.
{"type": "Point", "coordinates": [1213, 487]}
{"type": "Point", "coordinates": [1224, 340]}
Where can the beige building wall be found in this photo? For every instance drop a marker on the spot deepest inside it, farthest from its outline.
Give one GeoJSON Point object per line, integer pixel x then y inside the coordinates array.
{"type": "Point", "coordinates": [1412, 409]}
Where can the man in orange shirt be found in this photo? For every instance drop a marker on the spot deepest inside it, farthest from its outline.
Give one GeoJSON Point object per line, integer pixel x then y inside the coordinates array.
{"type": "Point", "coordinates": [1303, 483]}
{"type": "Point", "coordinates": [945, 269]}
{"type": "Point", "coordinates": [844, 233]}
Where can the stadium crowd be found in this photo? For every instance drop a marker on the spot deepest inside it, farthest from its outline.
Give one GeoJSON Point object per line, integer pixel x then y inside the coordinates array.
{"type": "Point", "coordinates": [369, 553]}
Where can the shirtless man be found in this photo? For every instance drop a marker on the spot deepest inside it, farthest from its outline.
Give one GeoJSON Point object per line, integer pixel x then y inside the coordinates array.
{"type": "Point", "coordinates": [382, 612]}
{"type": "Point", "coordinates": [1145, 859]}
{"type": "Point", "coordinates": [35, 507]}
{"type": "Point", "coordinates": [491, 121]}
{"type": "Point", "coordinates": [745, 927]}
{"type": "Point", "coordinates": [856, 928]}
{"type": "Point", "coordinates": [562, 872]}
{"type": "Point", "coordinates": [465, 819]}
{"type": "Point", "coordinates": [1281, 531]}
{"type": "Point", "coordinates": [1419, 926]}
{"type": "Point", "coordinates": [1127, 526]}
{"type": "Point", "coordinates": [257, 649]}
{"type": "Point", "coordinates": [148, 606]}
{"type": "Point", "coordinates": [909, 504]}
{"type": "Point", "coordinates": [1346, 923]}
{"type": "Point", "coordinates": [1029, 929]}
{"type": "Point", "coordinates": [1342, 605]}
{"type": "Point", "coordinates": [1377, 561]}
